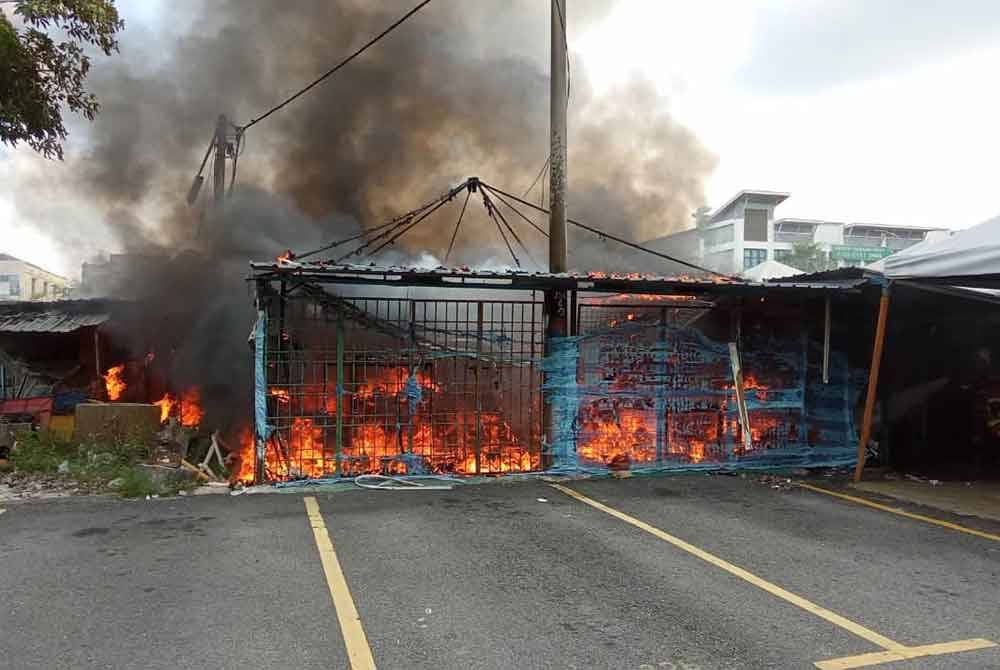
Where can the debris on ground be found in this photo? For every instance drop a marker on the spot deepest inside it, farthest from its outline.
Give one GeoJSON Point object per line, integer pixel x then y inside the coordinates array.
{"type": "Point", "coordinates": [776, 482]}
{"type": "Point", "coordinates": [16, 486]}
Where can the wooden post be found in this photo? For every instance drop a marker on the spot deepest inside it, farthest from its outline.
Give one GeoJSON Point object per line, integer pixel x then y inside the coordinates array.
{"type": "Point", "coordinates": [735, 335]}
{"type": "Point", "coordinates": [866, 424]}
{"type": "Point", "coordinates": [741, 400]}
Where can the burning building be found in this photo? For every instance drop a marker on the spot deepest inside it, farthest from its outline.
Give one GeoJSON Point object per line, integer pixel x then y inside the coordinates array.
{"type": "Point", "coordinates": [657, 373]}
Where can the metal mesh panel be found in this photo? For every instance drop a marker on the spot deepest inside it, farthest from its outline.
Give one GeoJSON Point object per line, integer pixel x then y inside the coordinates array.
{"type": "Point", "coordinates": [654, 390]}
{"type": "Point", "coordinates": [402, 386]}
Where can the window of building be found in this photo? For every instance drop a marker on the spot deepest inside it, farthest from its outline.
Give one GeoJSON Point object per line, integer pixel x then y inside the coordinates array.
{"type": "Point", "coordinates": [721, 235]}
{"type": "Point", "coordinates": [10, 285]}
{"type": "Point", "coordinates": [755, 225]}
{"type": "Point", "coordinates": [752, 257]}
{"type": "Point", "coordinates": [781, 254]}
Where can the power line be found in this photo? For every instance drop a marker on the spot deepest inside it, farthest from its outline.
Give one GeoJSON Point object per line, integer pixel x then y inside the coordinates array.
{"type": "Point", "coordinates": [337, 67]}
{"type": "Point", "coordinates": [451, 245]}
{"type": "Point", "coordinates": [601, 233]}
{"type": "Point", "coordinates": [518, 212]}
{"type": "Point", "coordinates": [548, 161]}
{"type": "Point", "coordinates": [495, 211]}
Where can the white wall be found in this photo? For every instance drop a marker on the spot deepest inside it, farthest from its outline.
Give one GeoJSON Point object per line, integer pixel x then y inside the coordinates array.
{"type": "Point", "coordinates": [46, 285]}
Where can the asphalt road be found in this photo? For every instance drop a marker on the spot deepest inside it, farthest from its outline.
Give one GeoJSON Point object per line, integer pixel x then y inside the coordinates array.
{"type": "Point", "coordinates": [488, 577]}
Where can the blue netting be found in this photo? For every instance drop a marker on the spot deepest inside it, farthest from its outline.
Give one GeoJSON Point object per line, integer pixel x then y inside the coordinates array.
{"type": "Point", "coordinates": [660, 397]}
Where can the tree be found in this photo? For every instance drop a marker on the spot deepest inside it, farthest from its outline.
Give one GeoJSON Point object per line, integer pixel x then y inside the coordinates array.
{"type": "Point", "coordinates": [808, 257]}
{"type": "Point", "coordinates": [40, 75]}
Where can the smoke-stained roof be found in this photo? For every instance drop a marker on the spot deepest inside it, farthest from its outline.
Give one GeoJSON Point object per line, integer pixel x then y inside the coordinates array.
{"type": "Point", "coordinates": [52, 317]}
{"type": "Point", "coordinates": [598, 282]}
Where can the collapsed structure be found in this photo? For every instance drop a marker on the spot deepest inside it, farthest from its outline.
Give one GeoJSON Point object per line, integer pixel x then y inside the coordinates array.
{"type": "Point", "coordinates": [362, 369]}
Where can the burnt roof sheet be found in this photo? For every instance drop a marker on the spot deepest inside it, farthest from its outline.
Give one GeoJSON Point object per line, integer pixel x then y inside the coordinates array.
{"type": "Point", "coordinates": [521, 279]}
{"type": "Point", "coordinates": [49, 322]}
{"type": "Point", "coordinates": [52, 317]}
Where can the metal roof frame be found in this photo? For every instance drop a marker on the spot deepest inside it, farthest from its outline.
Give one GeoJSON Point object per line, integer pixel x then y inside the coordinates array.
{"type": "Point", "coordinates": [594, 282]}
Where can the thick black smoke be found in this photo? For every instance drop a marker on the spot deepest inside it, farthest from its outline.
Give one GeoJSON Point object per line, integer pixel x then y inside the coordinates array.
{"type": "Point", "coordinates": [460, 90]}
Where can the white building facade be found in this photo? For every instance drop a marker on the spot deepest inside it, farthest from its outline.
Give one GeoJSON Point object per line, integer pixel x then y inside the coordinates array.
{"type": "Point", "coordinates": [20, 280]}
{"type": "Point", "coordinates": [744, 232]}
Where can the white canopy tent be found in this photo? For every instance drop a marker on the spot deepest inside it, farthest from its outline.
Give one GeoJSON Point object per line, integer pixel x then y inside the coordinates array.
{"type": "Point", "coordinates": [770, 270]}
{"type": "Point", "coordinates": [968, 253]}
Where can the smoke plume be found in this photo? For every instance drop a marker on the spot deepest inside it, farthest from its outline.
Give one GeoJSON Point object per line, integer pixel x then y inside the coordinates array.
{"type": "Point", "coordinates": [460, 90]}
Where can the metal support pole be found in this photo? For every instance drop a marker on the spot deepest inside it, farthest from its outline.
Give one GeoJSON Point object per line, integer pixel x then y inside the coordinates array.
{"type": "Point", "coordinates": [866, 425]}
{"type": "Point", "coordinates": [660, 379]}
{"type": "Point", "coordinates": [411, 407]}
{"type": "Point", "coordinates": [97, 351]}
{"type": "Point", "coordinates": [826, 343]}
{"type": "Point", "coordinates": [221, 148]}
{"type": "Point", "coordinates": [261, 431]}
{"type": "Point", "coordinates": [556, 309]}
{"type": "Point", "coordinates": [339, 394]}
{"type": "Point", "coordinates": [477, 370]}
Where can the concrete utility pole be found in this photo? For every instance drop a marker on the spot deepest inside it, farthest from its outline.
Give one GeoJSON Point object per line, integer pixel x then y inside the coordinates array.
{"type": "Point", "coordinates": [557, 129]}
{"type": "Point", "coordinates": [556, 299]}
{"type": "Point", "coordinates": [221, 148]}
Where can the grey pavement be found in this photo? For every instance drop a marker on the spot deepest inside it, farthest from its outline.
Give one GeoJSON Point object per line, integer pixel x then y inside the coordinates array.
{"type": "Point", "coordinates": [487, 577]}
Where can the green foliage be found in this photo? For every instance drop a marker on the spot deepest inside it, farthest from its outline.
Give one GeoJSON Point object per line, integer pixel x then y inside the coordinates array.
{"type": "Point", "coordinates": [41, 453]}
{"type": "Point", "coordinates": [39, 75]}
{"type": "Point", "coordinates": [808, 257]}
{"type": "Point", "coordinates": [138, 484]}
{"type": "Point", "coordinates": [93, 464]}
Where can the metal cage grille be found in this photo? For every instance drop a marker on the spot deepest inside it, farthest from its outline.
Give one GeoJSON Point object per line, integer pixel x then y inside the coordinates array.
{"type": "Point", "coordinates": [402, 386]}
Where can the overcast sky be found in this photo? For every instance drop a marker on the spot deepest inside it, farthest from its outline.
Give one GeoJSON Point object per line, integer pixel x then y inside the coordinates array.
{"type": "Point", "coordinates": [877, 110]}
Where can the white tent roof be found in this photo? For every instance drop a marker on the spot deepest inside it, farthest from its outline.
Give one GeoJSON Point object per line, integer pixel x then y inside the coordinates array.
{"type": "Point", "coordinates": [770, 270]}
{"type": "Point", "coordinates": [879, 265]}
{"type": "Point", "coordinates": [973, 251]}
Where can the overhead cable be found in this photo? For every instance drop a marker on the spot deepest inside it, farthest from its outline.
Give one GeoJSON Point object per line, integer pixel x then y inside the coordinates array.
{"type": "Point", "coordinates": [451, 245]}
{"type": "Point", "coordinates": [601, 233]}
{"type": "Point", "coordinates": [329, 73]}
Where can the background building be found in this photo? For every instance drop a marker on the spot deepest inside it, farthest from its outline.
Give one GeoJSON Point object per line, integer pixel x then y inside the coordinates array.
{"type": "Point", "coordinates": [20, 280]}
{"type": "Point", "coordinates": [744, 232]}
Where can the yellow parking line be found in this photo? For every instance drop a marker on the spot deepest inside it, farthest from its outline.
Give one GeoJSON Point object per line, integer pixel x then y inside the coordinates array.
{"type": "Point", "coordinates": [893, 650]}
{"type": "Point", "coordinates": [910, 653]}
{"type": "Point", "coordinates": [895, 510]}
{"type": "Point", "coordinates": [358, 650]}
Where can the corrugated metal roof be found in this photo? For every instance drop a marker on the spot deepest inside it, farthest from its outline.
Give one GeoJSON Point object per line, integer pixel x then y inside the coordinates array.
{"type": "Point", "coordinates": [521, 279]}
{"type": "Point", "coordinates": [49, 321]}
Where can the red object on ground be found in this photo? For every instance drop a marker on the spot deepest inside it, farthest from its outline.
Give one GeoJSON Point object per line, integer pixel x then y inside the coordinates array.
{"type": "Point", "coordinates": [39, 407]}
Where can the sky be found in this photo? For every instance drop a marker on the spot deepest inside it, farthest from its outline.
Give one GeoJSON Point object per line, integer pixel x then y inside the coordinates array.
{"type": "Point", "coordinates": [864, 110]}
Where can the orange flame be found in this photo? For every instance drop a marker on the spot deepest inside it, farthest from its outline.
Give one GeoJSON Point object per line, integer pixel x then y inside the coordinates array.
{"type": "Point", "coordinates": [191, 412]}
{"type": "Point", "coordinates": [187, 408]}
{"type": "Point", "coordinates": [114, 382]}
{"type": "Point", "coordinates": [245, 473]}
{"type": "Point", "coordinates": [619, 441]}
{"type": "Point", "coordinates": [393, 382]}
{"type": "Point", "coordinates": [166, 405]}
{"type": "Point", "coordinates": [374, 444]}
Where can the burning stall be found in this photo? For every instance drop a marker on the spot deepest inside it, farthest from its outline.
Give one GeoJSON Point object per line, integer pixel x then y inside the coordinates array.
{"type": "Point", "coordinates": [354, 376]}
